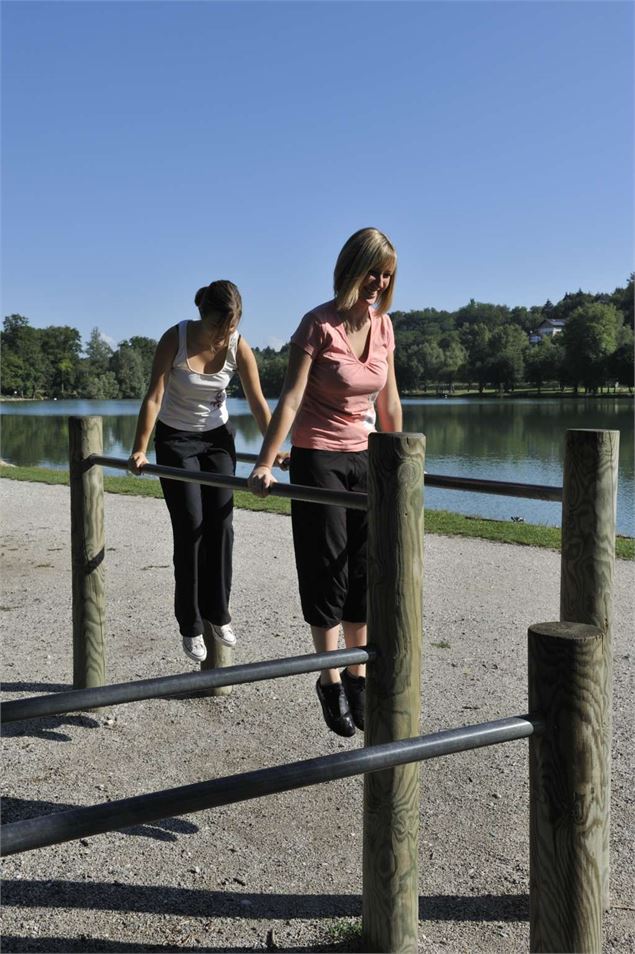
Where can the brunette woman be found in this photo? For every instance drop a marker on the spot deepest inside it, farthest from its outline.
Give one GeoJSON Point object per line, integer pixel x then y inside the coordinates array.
{"type": "Point", "coordinates": [193, 365]}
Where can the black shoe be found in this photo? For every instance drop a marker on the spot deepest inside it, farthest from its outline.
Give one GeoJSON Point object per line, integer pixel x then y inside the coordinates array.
{"type": "Point", "coordinates": [355, 688]}
{"type": "Point", "coordinates": [337, 714]}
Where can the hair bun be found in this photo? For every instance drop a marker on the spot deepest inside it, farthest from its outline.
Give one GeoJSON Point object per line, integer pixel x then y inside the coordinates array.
{"type": "Point", "coordinates": [198, 297]}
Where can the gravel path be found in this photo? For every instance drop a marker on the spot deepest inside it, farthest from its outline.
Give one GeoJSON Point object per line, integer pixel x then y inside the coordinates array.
{"type": "Point", "coordinates": [282, 872]}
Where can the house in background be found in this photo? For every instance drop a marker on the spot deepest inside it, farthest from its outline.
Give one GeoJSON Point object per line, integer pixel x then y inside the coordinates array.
{"type": "Point", "coordinates": [548, 328]}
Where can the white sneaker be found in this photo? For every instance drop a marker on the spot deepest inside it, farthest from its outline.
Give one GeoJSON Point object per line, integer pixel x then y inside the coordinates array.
{"type": "Point", "coordinates": [223, 634]}
{"type": "Point", "coordinates": [195, 648]}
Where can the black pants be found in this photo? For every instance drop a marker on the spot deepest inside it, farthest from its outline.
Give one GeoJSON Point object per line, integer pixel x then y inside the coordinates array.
{"type": "Point", "coordinates": [330, 542]}
{"type": "Point", "coordinates": [201, 524]}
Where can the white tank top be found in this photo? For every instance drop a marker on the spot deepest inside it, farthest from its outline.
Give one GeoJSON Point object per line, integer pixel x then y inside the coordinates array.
{"type": "Point", "coordinates": [193, 401]}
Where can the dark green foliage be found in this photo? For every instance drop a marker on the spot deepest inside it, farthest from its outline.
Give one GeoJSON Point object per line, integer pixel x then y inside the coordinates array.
{"type": "Point", "coordinates": [480, 345]}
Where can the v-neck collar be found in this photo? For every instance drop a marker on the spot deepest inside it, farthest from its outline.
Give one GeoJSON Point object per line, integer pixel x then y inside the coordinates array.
{"type": "Point", "coordinates": [368, 339]}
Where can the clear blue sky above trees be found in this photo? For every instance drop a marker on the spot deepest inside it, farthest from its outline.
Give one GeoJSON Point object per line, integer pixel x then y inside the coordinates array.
{"type": "Point", "coordinates": [150, 147]}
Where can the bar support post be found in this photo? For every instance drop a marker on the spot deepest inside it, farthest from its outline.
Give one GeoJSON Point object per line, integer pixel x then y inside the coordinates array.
{"type": "Point", "coordinates": [87, 552]}
{"type": "Point", "coordinates": [569, 771]}
{"type": "Point", "coordinates": [390, 908]}
{"type": "Point", "coordinates": [589, 501]}
{"type": "Point", "coordinates": [218, 655]}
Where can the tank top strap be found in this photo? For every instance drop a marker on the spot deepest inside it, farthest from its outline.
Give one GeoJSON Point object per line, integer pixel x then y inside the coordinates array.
{"type": "Point", "coordinates": [231, 361]}
{"type": "Point", "coordinates": [180, 358]}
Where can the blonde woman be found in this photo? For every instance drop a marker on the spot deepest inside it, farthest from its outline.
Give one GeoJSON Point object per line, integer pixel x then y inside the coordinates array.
{"type": "Point", "coordinates": [340, 378]}
{"type": "Point", "coordinates": [186, 398]}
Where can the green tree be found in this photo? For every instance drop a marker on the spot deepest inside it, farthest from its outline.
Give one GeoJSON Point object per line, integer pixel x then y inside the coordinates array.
{"type": "Point", "coordinates": [590, 337]}
{"type": "Point", "coordinates": [454, 357]}
{"type": "Point", "coordinates": [476, 341]}
{"type": "Point", "coordinates": [620, 363]}
{"type": "Point", "coordinates": [102, 387]}
{"type": "Point", "coordinates": [61, 347]}
{"type": "Point", "coordinates": [623, 298]}
{"type": "Point", "coordinates": [98, 353]}
{"type": "Point", "coordinates": [482, 313]}
{"type": "Point", "coordinates": [508, 346]}
{"type": "Point", "coordinates": [145, 348]}
{"type": "Point", "coordinates": [272, 368]}
{"type": "Point", "coordinates": [24, 367]}
{"type": "Point", "coordinates": [543, 362]}
{"type": "Point", "coordinates": [410, 362]}
{"type": "Point", "coordinates": [127, 366]}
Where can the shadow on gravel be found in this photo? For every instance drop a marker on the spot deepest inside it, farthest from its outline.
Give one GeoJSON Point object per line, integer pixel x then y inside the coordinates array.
{"type": "Point", "coordinates": [168, 829]}
{"type": "Point", "coordinates": [35, 686]}
{"type": "Point", "coordinates": [91, 945]}
{"type": "Point", "coordinates": [45, 728]}
{"type": "Point", "coordinates": [192, 902]}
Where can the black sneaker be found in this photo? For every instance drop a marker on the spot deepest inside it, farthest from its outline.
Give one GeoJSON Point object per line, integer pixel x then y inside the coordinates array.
{"type": "Point", "coordinates": [355, 688]}
{"type": "Point", "coordinates": [337, 714]}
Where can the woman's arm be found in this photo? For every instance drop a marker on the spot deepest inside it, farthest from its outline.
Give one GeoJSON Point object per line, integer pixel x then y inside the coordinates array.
{"type": "Point", "coordinates": [250, 380]}
{"type": "Point", "coordinates": [388, 403]}
{"type": "Point", "coordinates": [293, 390]}
{"type": "Point", "coordinates": [151, 404]}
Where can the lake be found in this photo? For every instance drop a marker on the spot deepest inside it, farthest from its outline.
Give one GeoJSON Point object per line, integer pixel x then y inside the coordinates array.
{"type": "Point", "coordinates": [506, 439]}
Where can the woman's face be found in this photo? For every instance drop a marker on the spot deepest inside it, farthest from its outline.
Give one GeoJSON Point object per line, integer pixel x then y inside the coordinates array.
{"type": "Point", "coordinates": [219, 333]}
{"type": "Point", "coordinates": [375, 284]}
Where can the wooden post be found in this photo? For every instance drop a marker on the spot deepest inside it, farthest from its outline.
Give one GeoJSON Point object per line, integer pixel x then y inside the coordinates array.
{"type": "Point", "coordinates": [569, 792]}
{"type": "Point", "coordinates": [87, 553]}
{"type": "Point", "coordinates": [588, 554]}
{"type": "Point", "coordinates": [390, 909]}
{"type": "Point", "coordinates": [217, 655]}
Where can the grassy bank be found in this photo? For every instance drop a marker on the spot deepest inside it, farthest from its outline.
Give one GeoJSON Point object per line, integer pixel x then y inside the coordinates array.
{"type": "Point", "coordinates": [436, 521]}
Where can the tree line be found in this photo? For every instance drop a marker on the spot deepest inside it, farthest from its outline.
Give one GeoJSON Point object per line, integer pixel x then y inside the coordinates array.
{"type": "Point", "coordinates": [479, 346]}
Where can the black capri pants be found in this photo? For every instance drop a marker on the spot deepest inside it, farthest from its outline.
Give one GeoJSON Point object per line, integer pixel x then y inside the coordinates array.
{"type": "Point", "coordinates": [202, 524]}
{"type": "Point", "coordinates": [330, 542]}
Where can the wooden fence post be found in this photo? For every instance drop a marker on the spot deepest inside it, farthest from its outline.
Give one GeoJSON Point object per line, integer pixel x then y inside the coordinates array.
{"type": "Point", "coordinates": [217, 655]}
{"type": "Point", "coordinates": [87, 552]}
{"type": "Point", "coordinates": [390, 910]}
{"type": "Point", "coordinates": [589, 503]}
{"type": "Point", "coordinates": [569, 790]}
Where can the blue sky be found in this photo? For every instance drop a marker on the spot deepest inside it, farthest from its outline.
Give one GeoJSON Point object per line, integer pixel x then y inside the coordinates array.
{"type": "Point", "coordinates": [151, 147]}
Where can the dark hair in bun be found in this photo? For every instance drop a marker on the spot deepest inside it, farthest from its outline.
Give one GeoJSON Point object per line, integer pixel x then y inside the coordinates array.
{"type": "Point", "coordinates": [221, 300]}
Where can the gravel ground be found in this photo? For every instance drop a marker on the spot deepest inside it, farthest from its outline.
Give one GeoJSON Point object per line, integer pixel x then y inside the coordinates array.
{"type": "Point", "coordinates": [282, 872]}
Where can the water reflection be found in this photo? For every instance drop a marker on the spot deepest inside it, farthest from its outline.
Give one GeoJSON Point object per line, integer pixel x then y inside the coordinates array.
{"type": "Point", "coordinates": [502, 440]}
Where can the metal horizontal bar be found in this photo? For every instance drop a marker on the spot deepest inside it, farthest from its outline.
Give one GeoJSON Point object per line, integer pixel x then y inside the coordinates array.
{"type": "Point", "coordinates": [336, 498]}
{"type": "Point", "coordinates": [346, 499]}
{"type": "Point", "coordinates": [502, 487]}
{"type": "Point", "coordinates": [110, 816]}
{"type": "Point", "coordinates": [76, 699]}
{"type": "Point", "coordinates": [473, 484]}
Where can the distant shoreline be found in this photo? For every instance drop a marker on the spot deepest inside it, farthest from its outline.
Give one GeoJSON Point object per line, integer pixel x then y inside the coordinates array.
{"type": "Point", "coordinates": [489, 395]}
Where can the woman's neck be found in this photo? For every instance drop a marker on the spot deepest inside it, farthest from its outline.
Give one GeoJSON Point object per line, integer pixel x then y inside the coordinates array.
{"type": "Point", "coordinates": [357, 316]}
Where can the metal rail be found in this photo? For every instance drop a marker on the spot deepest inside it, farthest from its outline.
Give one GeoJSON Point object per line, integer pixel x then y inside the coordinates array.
{"type": "Point", "coordinates": [352, 500]}
{"type": "Point", "coordinates": [191, 682]}
{"type": "Point", "coordinates": [337, 498]}
{"type": "Point", "coordinates": [111, 816]}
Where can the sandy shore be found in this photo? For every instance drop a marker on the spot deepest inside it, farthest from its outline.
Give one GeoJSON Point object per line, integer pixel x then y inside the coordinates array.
{"type": "Point", "coordinates": [224, 880]}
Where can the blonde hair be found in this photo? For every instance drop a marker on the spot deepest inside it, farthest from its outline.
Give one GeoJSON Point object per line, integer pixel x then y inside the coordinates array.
{"type": "Point", "coordinates": [366, 250]}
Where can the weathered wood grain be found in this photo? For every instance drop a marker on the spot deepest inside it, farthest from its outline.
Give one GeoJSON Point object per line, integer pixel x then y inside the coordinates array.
{"type": "Point", "coordinates": [393, 689]}
{"type": "Point", "coordinates": [588, 552]}
{"type": "Point", "coordinates": [217, 655]}
{"type": "Point", "coordinates": [569, 787]}
{"type": "Point", "coordinates": [87, 552]}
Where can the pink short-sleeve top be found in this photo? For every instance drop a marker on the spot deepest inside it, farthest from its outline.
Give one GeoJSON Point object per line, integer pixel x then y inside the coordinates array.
{"type": "Point", "coordinates": [338, 408]}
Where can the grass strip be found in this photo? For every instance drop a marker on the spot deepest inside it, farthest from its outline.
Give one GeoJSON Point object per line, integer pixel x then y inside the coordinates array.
{"type": "Point", "coordinates": [436, 521]}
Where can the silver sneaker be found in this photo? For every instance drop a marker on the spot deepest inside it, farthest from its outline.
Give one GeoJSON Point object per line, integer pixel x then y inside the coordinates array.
{"type": "Point", "coordinates": [195, 648]}
{"type": "Point", "coordinates": [223, 634]}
